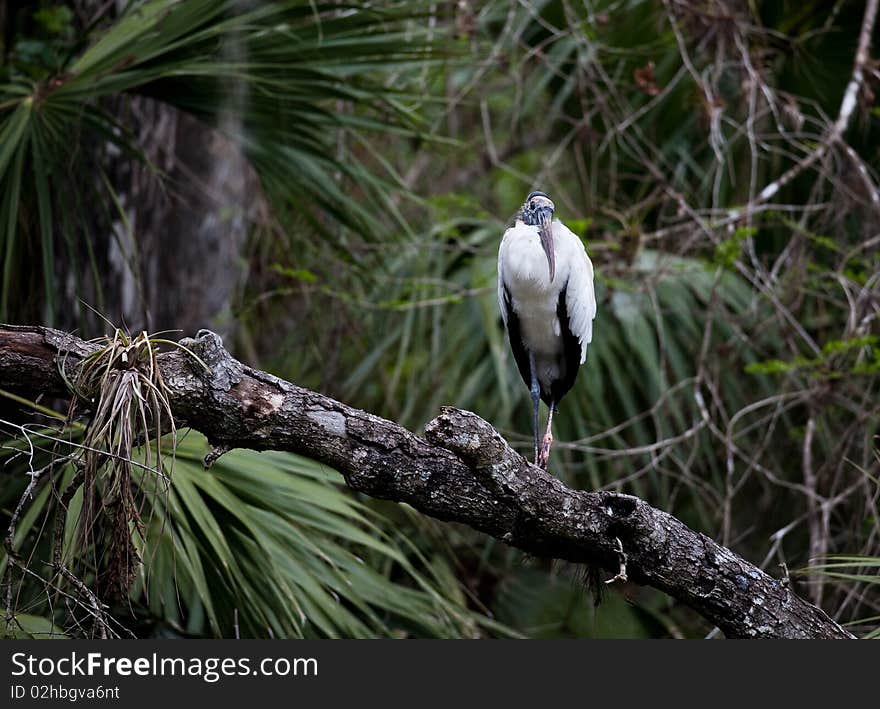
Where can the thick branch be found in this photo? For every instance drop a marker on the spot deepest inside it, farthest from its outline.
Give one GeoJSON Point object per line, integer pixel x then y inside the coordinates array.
{"type": "Point", "coordinates": [462, 471]}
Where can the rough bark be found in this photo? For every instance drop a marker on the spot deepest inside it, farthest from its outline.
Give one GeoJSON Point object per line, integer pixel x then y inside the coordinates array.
{"type": "Point", "coordinates": [462, 471]}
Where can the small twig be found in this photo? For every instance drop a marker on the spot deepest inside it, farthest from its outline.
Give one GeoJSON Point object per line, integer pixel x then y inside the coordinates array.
{"type": "Point", "coordinates": [818, 537]}
{"type": "Point", "coordinates": [621, 556]}
{"type": "Point", "coordinates": [61, 516]}
{"type": "Point", "coordinates": [786, 578]}
{"type": "Point", "coordinates": [38, 477]}
{"type": "Point", "coordinates": [98, 611]}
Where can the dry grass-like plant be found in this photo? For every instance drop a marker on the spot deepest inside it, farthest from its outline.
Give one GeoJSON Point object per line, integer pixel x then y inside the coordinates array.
{"type": "Point", "coordinates": [119, 388]}
{"type": "Point", "coordinates": [122, 385]}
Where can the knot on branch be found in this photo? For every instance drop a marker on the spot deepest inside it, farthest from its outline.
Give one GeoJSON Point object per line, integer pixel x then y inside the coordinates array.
{"type": "Point", "coordinates": [224, 370]}
{"type": "Point", "coordinates": [482, 448]}
{"type": "Point", "coordinates": [470, 437]}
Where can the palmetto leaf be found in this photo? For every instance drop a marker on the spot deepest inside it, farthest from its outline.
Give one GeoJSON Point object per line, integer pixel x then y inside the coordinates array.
{"type": "Point", "coordinates": [273, 537]}
{"type": "Point", "coordinates": [261, 545]}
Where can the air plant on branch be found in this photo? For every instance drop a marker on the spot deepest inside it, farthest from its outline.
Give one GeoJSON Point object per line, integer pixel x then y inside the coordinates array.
{"type": "Point", "coordinates": [121, 385]}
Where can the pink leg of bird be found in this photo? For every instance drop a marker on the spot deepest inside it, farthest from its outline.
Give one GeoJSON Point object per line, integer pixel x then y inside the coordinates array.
{"type": "Point", "coordinates": [544, 455]}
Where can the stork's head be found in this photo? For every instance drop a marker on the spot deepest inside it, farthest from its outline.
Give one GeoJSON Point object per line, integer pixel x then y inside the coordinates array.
{"type": "Point", "coordinates": [538, 211]}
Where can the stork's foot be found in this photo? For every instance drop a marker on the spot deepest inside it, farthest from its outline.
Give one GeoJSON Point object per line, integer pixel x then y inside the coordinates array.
{"type": "Point", "coordinates": [544, 454]}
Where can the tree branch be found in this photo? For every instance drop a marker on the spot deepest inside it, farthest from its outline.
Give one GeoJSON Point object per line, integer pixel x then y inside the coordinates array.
{"type": "Point", "coordinates": [462, 471]}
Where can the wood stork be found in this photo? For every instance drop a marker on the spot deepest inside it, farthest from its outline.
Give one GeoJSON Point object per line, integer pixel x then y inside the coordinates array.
{"type": "Point", "coordinates": [545, 290]}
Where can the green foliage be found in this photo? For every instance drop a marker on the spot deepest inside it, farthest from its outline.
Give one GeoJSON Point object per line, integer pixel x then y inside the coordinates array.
{"type": "Point", "coordinates": [833, 362]}
{"type": "Point", "coordinates": [31, 627]}
{"type": "Point", "coordinates": [554, 605]}
{"type": "Point", "coordinates": [729, 250]}
{"type": "Point", "coordinates": [263, 545]}
{"type": "Point", "coordinates": [334, 567]}
{"type": "Point", "coordinates": [267, 76]}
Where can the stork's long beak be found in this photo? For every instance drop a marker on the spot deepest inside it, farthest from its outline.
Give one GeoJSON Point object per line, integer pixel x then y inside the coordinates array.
{"type": "Point", "coordinates": [545, 227]}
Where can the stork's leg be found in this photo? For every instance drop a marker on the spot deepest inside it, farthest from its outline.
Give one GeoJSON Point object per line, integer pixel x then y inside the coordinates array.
{"type": "Point", "coordinates": [544, 457]}
{"type": "Point", "coordinates": [536, 400]}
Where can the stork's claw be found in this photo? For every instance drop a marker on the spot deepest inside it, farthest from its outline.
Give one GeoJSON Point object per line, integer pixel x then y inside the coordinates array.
{"type": "Point", "coordinates": [544, 455]}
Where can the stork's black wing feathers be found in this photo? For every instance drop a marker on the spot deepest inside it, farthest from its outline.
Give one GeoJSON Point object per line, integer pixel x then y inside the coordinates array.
{"type": "Point", "coordinates": [569, 358]}
{"type": "Point", "coordinates": [520, 354]}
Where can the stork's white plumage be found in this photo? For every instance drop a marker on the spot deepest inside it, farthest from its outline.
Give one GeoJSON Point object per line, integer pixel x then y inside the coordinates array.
{"type": "Point", "coordinates": [545, 291]}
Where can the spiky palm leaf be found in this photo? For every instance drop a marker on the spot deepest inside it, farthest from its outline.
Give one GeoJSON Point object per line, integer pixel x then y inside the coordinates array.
{"type": "Point", "coordinates": [271, 538]}
{"type": "Point", "coordinates": [262, 545]}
